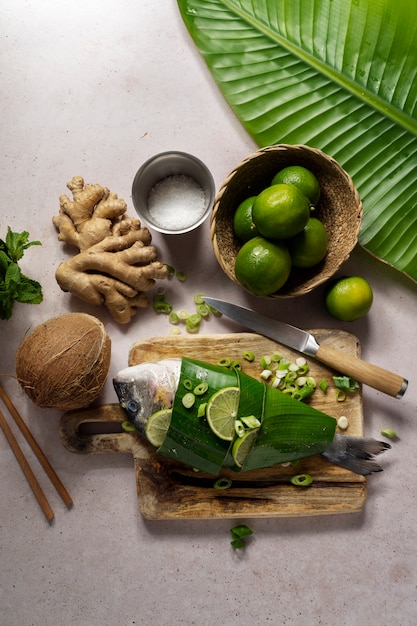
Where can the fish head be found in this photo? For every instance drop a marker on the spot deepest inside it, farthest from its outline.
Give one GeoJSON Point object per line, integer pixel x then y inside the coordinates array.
{"type": "Point", "coordinates": [146, 388]}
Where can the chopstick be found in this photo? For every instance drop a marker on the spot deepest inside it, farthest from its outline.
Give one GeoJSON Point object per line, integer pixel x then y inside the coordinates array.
{"type": "Point", "coordinates": [39, 455]}
{"type": "Point", "coordinates": [31, 478]}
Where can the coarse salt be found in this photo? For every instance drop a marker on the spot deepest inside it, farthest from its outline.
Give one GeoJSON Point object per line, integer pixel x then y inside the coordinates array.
{"type": "Point", "coordinates": [176, 202]}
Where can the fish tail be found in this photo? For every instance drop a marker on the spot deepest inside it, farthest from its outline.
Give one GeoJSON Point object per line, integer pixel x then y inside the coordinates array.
{"type": "Point", "coordinates": [355, 453]}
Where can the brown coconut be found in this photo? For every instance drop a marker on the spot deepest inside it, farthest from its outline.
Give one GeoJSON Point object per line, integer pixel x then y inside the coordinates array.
{"type": "Point", "coordinates": [64, 362]}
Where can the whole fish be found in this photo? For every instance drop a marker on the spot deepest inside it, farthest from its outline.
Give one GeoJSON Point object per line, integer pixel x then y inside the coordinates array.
{"type": "Point", "coordinates": [146, 388]}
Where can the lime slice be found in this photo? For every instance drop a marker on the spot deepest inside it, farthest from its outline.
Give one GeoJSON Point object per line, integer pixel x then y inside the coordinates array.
{"type": "Point", "coordinates": [157, 427]}
{"type": "Point", "coordinates": [243, 445]}
{"type": "Point", "coordinates": [221, 412]}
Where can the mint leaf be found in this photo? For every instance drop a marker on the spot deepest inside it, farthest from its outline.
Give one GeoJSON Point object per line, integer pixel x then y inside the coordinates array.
{"type": "Point", "coordinates": [17, 243]}
{"type": "Point", "coordinates": [29, 291]}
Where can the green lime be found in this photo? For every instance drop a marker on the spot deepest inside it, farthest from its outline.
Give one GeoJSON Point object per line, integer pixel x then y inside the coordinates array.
{"type": "Point", "coordinates": [243, 225]}
{"type": "Point", "coordinates": [221, 412]}
{"type": "Point", "coordinates": [349, 298]}
{"type": "Point", "coordinates": [243, 445]}
{"type": "Point", "coordinates": [280, 211]}
{"type": "Point", "coordinates": [302, 178]}
{"type": "Point", "coordinates": [310, 246]}
{"type": "Point", "coordinates": [262, 266]}
{"type": "Point", "coordinates": [157, 427]}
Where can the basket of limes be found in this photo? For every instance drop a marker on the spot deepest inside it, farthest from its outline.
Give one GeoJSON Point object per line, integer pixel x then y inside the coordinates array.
{"type": "Point", "coordinates": [284, 220]}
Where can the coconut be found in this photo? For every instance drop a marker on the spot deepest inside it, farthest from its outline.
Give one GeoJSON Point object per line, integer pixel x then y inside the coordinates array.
{"type": "Point", "coordinates": [63, 363]}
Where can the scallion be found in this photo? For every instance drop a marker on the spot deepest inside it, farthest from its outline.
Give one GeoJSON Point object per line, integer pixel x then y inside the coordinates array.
{"type": "Point", "coordinates": [222, 483]}
{"type": "Point", "coordinates": [301, 480]}
{"type": "Point", "coordinates": [188, 400]}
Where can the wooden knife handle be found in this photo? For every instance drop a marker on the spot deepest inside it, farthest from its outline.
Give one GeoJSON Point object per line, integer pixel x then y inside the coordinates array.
{"type": "Point", "coordinates": [363, 372]}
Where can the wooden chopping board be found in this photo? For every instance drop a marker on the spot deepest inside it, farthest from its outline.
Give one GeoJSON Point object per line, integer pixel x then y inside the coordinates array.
{"type": "Point", "coordinates": [167, 490]}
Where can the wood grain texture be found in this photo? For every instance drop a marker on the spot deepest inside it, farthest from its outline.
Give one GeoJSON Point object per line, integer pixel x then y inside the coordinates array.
{"type": "Point", "coordinates": [167, 490]}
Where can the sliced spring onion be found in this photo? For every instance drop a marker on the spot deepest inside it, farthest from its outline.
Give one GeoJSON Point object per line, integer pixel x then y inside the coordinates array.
{"type": "Point", "coordinates": [323, 384]}
{"type": "Point", "coordinates": [265, 361]}
{"type": "Point", "coordinates": [239, 533]}
{"type": "Point", "coordinates": [251, 421]}
{"type": "Point", "coordinates": [236, 365]}
{"type": "Point", "coordinates": [188, 400]}
{"type": "Point", "coordinates": [183, 314]}
{"type": "Point", "coordinates": [128, 426]}
{"type": "Point", "coordinates": [201, 389]}
{"type": "Point", "coordinates": [181, 276]}
{"type": "Point", "coordinates": [301, 480]}
{"type": "Point", "coordinates": [224, 362]}
{"type": "Point", "coordinates": [199, 298]}
{"type": "Point", "coordinates": [343, 422]}
{"type": "Point", "coordinates": [222, 483]}
{"type": "Point", "coordinates": [340, 395]}
{"type": "Point", "coordinates": [203, 310]}
{"type": "Point", "coordinates": [249, 356]}
{"type": "Point", "coordinates": [388, 432]}
{"type": "Point", "coordinates": [188, 384]}
{"type": "Point", "coordinates": [239, 428]}
{"type": "Point", "coordinates": [266, 374]}
{"type": "Point", "coordinates": [170, 269]}
{"type": "Point", "coordinates": [173, 318]}
{"type": "Point", "coordinates": [201, 411]}
{"type": "Point", "coordinates": [160, 306]}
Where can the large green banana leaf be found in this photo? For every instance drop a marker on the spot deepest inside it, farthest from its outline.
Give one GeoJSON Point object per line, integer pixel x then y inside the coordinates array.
{"type": "Point", "coordinates": [339, 75]}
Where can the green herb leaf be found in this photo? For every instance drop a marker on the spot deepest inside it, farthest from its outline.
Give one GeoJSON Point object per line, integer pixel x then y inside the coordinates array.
{"type": "Point", "coordinates": [338, 75]}
{"type": "Point", "coordinates": [346, 383]}
{"type": "Point", "coordinates": [17, 243]}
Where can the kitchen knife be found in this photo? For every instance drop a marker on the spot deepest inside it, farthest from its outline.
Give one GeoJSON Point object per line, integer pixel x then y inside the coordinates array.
{"type": "Point", "coordinates": [305, 342]}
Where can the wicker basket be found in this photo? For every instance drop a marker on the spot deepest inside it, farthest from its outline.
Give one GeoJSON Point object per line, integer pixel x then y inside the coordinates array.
{"type": "Point", "coordinates": [339, 208]}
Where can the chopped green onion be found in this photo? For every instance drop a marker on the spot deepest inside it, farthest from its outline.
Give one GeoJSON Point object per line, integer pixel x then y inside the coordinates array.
{"type": "Point", "coordinates": [162, 307]}
{"type": "Point", "coordinates": [323, 384]}
{"type": "Point", "coordinates": [222, 483]}
{"type": "Point", "coordinates": [236, 365]}
{"type": "Point", "coordinates": [194, 319]}
{"type": "Point", "coordinates": [214, 311]}
{"type": "Point", "coordinates": [201, 411]}
{"type": "Point", "coordinates": [249, 356]}
{"type": "Point", "coordinates": [188, 384]}
{"type": "Point", "coordinates": [303, 370]}
{"type": "Point", "coordinates": [311, 381]}
{"type": "Point", "coordinates": [188, 400]}
{"type": "Point", "coordinates": [266, 374]}
{"type": "Point", "coordinates": [199, 298]}
{"type": "Point", "coordinates": [159, 295]}
{"type": "Point", "coordinates": [192, 329]}
{"type": "Point", "coordinates": [170, 269]}
{"type": "Point", "coordinates": [239, 533]}
{"type": "Point", "coordinates": [300, 361]}
{"type": "Point", "coordinates": [203, 310]}
{"type": "Point", "coordinates": [265, 361]}
{"type": "Point", "coordinates": [173, 318]}
{"type": "Point", "coordinates": [301, 480]}
{"type": "Point", "coordinates": [239, 428]}
{"type": "Point", "coordinates": [251, 421]}
{"type": "Point", "coordinates": [181, 276]}
{"type": "Point", "coordinates": [224, 362]}
{"type": "Point", "coordinates": [388, 432]}
{"type": "Point", "coordinates": [128, 426]}
{"type": "Point", "coordinates": [276, 357]}
{"type": "Point", "coordinates": [200, 389]}
{"type": "Point", "coordinates": [340, 395]}
{"type": "Point", "coordinates": [183, 314]}
{"type": "Point", "coordinates": [174, 331]}
{"type": "Point", "coordinates": [343, 422]}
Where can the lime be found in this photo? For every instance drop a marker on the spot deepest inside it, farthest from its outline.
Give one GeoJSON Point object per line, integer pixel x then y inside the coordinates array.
{"type": "Point", "coordinates": [302, 178]}
{"type": "Point", "coordinates": [243, 445]}
{"type": "Point", "coordinates": [221, 412]}
{"type": "Point", "coordinates": [280, 211]}
{"type": "Point", "coordinates": [349, 298]}
{"type": "Point", "coordinates": [310, 246]}
{"type": "Point", "coordinates": [262, 267]}
{"type": "Point", "coordinates": [243, 225]}
{"type": "Point", "coordinates": [157, 427]}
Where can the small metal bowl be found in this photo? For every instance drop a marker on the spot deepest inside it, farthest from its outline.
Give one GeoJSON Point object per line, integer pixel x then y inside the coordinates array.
{"type": "Point", "coordinates": [185, 170]}
{"type": "Point", "coordinates": [339, 208]}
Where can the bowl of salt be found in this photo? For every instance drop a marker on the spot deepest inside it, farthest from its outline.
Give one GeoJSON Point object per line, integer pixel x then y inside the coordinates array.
{"type": "Point", "coordinates": [173, 192]}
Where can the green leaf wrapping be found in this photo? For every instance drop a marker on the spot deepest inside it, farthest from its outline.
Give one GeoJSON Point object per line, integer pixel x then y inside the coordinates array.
{"type": "Point", "coordinates": [289, 429]}
{"type": "Point", "coordinates": [339, 75]}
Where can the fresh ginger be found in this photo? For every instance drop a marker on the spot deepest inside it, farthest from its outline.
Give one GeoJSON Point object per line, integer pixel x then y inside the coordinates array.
{"type": "Point", "coordinates": [116, 264]}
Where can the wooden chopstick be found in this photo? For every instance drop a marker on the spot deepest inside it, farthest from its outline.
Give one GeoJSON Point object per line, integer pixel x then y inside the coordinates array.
{"type": "Point", "coordinates": [31, 478]}
{"type": "Point", "coordinates": [36, 449]}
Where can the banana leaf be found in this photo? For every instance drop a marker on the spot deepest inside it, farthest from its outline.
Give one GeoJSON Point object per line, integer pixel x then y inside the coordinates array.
{"type": "Point", "coordinates": [289, 428]}
{"type": "Point", "coordinates": [339, 75]}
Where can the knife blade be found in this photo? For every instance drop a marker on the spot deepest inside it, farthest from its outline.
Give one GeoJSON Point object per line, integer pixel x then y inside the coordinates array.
{"type": "Point", "coordinates": [304, 342]}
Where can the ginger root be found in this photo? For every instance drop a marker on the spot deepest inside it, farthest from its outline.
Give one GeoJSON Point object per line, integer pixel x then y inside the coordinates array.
{"type": "Point", "coordinates": [115, 264]}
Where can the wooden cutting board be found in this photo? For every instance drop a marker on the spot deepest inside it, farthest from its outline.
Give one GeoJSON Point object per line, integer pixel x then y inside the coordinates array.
{"type": "Point", "coordinates": [167, 490]}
